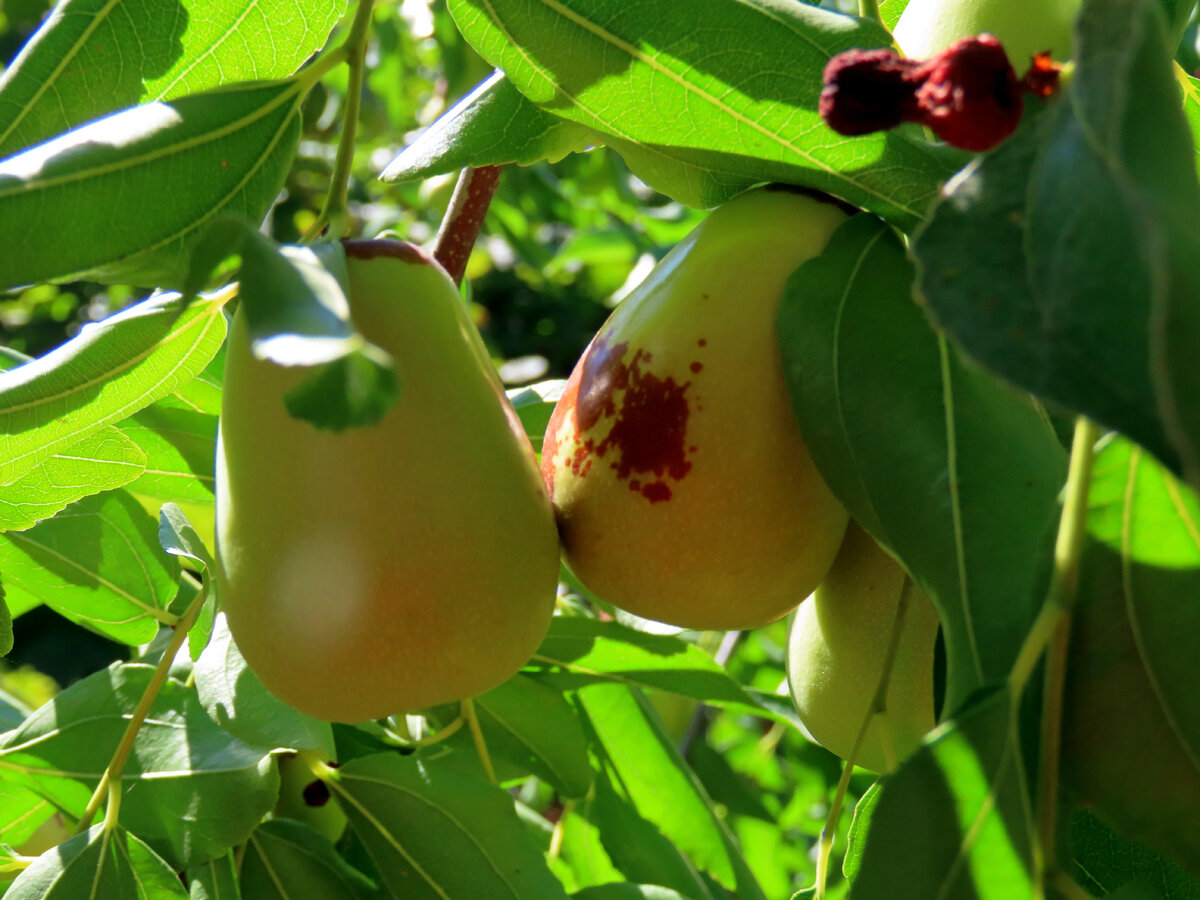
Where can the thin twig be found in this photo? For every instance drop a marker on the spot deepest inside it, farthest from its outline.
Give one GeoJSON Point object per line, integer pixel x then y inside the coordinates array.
{"type": "Point", "coordinates": [464, 217]}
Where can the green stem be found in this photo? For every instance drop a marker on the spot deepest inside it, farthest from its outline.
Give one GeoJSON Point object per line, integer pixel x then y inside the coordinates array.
{"type": "Point", "coordinates": [472, 720]}
{"type": "Point", "coordinates": [869, 9]}
{"type": "Point", "coordinates": [111, 779]}
{"type": "Point", "coordinates": [335, 212]}
{"type": "Point", "coordinates": [878, 707]}
{"type": "Point", "coordinates": [1064, 581]}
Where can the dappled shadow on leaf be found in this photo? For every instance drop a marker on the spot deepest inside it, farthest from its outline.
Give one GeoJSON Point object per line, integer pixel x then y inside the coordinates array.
{"type": "Point", "coordinates": [953, 821]}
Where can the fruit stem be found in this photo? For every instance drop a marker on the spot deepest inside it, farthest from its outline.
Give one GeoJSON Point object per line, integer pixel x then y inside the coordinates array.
{"type": "Point", "coordinates": [110, 781]}
{"type": "Point", "coordinates": [878, 707]}
{"type": "Point", "coordinates": [335, 211]}
{"type": "Point", "coordinates": [869, 9]}
{"type": "Point", "coordinates": [472, 720]}
{"type": "Point", "coordinates": [1051, 630]}
{"type": "Point", "coordinates": [464, 217]}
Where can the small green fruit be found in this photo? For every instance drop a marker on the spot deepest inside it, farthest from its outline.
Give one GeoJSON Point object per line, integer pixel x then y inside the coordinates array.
{"type": "Point", "coordinates": [305, 798]}
{"type": "Point", "coordinates": [837, 644]}
{"type": "Point", "coordinates": [1025, 27]}
{"type": "Point", "coordinates": [392, 567]}
{"type": "Point", "coordinates": [683, 489]}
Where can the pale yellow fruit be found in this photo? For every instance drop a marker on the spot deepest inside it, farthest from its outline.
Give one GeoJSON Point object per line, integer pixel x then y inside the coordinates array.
{"type": "Point", "coordinates": [1024, 27]}
{"type": "Point", "coordinates": [837, 644]}
{"type": "Point", "coordinates": [392, 567]}
{"type": "Point", "coordinates": [683, 489]}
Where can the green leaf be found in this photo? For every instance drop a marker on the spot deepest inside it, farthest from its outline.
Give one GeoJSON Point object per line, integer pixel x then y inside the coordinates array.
{"type": "Point", "coordinates": [102, 461]}
{"type": "Point", "coordinates": [494, 125]}
{"type": "Point", "coordinates": [107, 372]}
{"type": "Point", "coordinates": [534, 406]}
{"type": "Point", "coordinates": [950, 470]}
{"type": "Point", "coordinates": [953, 821]}
{"type": "Point", "coordinates": [578, 652]}
{"type": "Point", "coordinates": [179, 538]}
{"type": "Point", "coordinates": [746, 114]}
{"type": "Point", "coordinates": [224, 152]}
{"type": "Point", "coordinates": [189, 789]}
{"type": "Point", "coordinates": [286, 860]}
{"type": "Point", "coordinates": [98, 563]}
{"type": "Point", "coordinates": [1103, 862]}
{"type": "Point", "coordinates": [179, 445]}
{"type": "Point", "coordinates": [433, 833]}
{"type": "Point", "coordinates": [238, 702]}
{"type": "Point", "coordinates": [22, 812]}
{"type": "Point", "coordinates": [115, 865]}
{"type": "Point", "coordinates": [214, 880]}
{"type": "Point", "coordinates": [642, 759]}
{"type": "Point", "coordinates": [91, 57]}
{"type": "Point", "coordinates": [533, 730]}
{"type": "Point", "coordinates": [1084, 278]}
{"type": "Point", "coordinates": [6, 630]}
{"type": "Point", "coordinates": [627, 891]}
{"type": "Point", "coordinates": [297, 314]}
{"type": "Point", "coordinates": [859, 826]}
{"type": "Point", "coordinates": [1134, 642]}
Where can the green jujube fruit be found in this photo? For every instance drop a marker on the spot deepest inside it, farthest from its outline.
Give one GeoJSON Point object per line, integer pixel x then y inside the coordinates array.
{"type": "Point", "coordinates": [683, 488]}
{"type": "Point", "coordinates": [837, 643]}
{"type": "Point", "coordinates": [1024, 27]}
{"type": "Point", "coordinates": [396, 566]}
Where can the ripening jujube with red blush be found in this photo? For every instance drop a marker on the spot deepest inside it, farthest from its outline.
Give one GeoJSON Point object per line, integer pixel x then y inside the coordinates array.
{"type": "Point", "coordinates": [683, 488]}
{"type": "Point", "coordinates": [396, 566]}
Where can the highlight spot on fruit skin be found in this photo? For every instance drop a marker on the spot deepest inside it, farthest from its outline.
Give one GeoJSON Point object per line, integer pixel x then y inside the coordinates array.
{"type": "Point", "coordinates": [647, 435]}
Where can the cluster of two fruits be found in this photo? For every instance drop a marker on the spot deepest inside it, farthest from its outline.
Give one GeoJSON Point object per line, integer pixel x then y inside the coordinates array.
{"type": "Point", "coordinates": [415, 561]}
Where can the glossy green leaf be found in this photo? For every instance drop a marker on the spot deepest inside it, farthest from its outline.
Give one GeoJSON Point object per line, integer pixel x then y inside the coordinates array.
{"type": "Point", "coordinates": [530, 727]}
{"type": "Point", "coordinates": [660, 786]}
{"type": "Point", "coordinates": [1084, 278]}
{"type": "Point", "coordinates": [954, 820]}
{"type": "Point", "coordinates": [627, 891]}
{"type": "Point", "coordinates": [224, 152]}
{"type": "Point", "coordinates": [286, 860]}
{"type": "Point", "coordinates": [859, 826]}
{"type": "Point", "coordinates": [113, 865]}
{"type": "Point", "coordinates": [433, 833]}
{"type": "Point", "coordinates": [578, 652]}
{"type": "Point", "coordinates": [216, 879]}
{"type": "Point", "coordinates": [534, 405]}
{"type": "Point", "coordinates": [22, 812]}
{"type": "Point", "coordinates": [1134, 643]}
{"type": "Point", "coordinates": [91, 57]}
{"type": "Point", "coordinates": [1103, 862]}
{"type": "Point", "coordinates": [494, 125]}
{"type": "Point", "coordinates": [746, 114]}
{"type": "Point", "coordinates": [6, 630]}
{"type": "Point", "coordinates": [201, 394]}
{"type": "Point", "coordinates": [98, 562]}
{"type": "Point", "coordinates": [952, 471]}
{"type": "Point", "coordinates": [107, 372]}
{"type": "Point", "coordinates": [238, 702]}
{"type": "Point", "coordinates": [102, 461]}
{"type": "Point", "coordinates": [179, 445]}
{"type": "Point", "coordinates": [637, 848]}
{"type": "Point", "coordinates": [189, 789]}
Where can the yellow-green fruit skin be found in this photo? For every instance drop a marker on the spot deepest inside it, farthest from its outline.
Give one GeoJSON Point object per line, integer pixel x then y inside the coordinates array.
{"type": "Point", "coordinates": [1024, 27]}
{"type": "Point", "coordinates": [683, 489]}
{"type": "Point", "coordinates": [396, 566]}
{"type": "Point", "coordinates": [837, 644]}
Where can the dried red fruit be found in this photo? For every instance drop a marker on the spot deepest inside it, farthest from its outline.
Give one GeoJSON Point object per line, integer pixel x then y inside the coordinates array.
{"type": "Point", "coordinates": [867, 91]}
{"type": "Point", "coordinates": [970, 96]}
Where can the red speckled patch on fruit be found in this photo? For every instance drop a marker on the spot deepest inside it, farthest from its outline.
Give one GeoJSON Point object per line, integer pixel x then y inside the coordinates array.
{"type": "Point", "coordinates": [643, 417]}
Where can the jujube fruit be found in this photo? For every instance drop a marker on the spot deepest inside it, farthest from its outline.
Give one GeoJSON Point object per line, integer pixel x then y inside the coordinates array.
{"type": "Point", "coordinates": [1025, 27]}
{"type": "Point", "coordinates": [837, 643]}
{"type": "Point", "coordinates": [396, 566]}
{"type": "Point", "coordinates": [683, 489]}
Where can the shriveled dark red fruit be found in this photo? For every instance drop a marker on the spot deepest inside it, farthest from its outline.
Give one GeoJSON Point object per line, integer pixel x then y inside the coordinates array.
{"type": "Point", "coordinates": [969, 95]}
{"type": "Point", "coordinates": [867, 91]}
